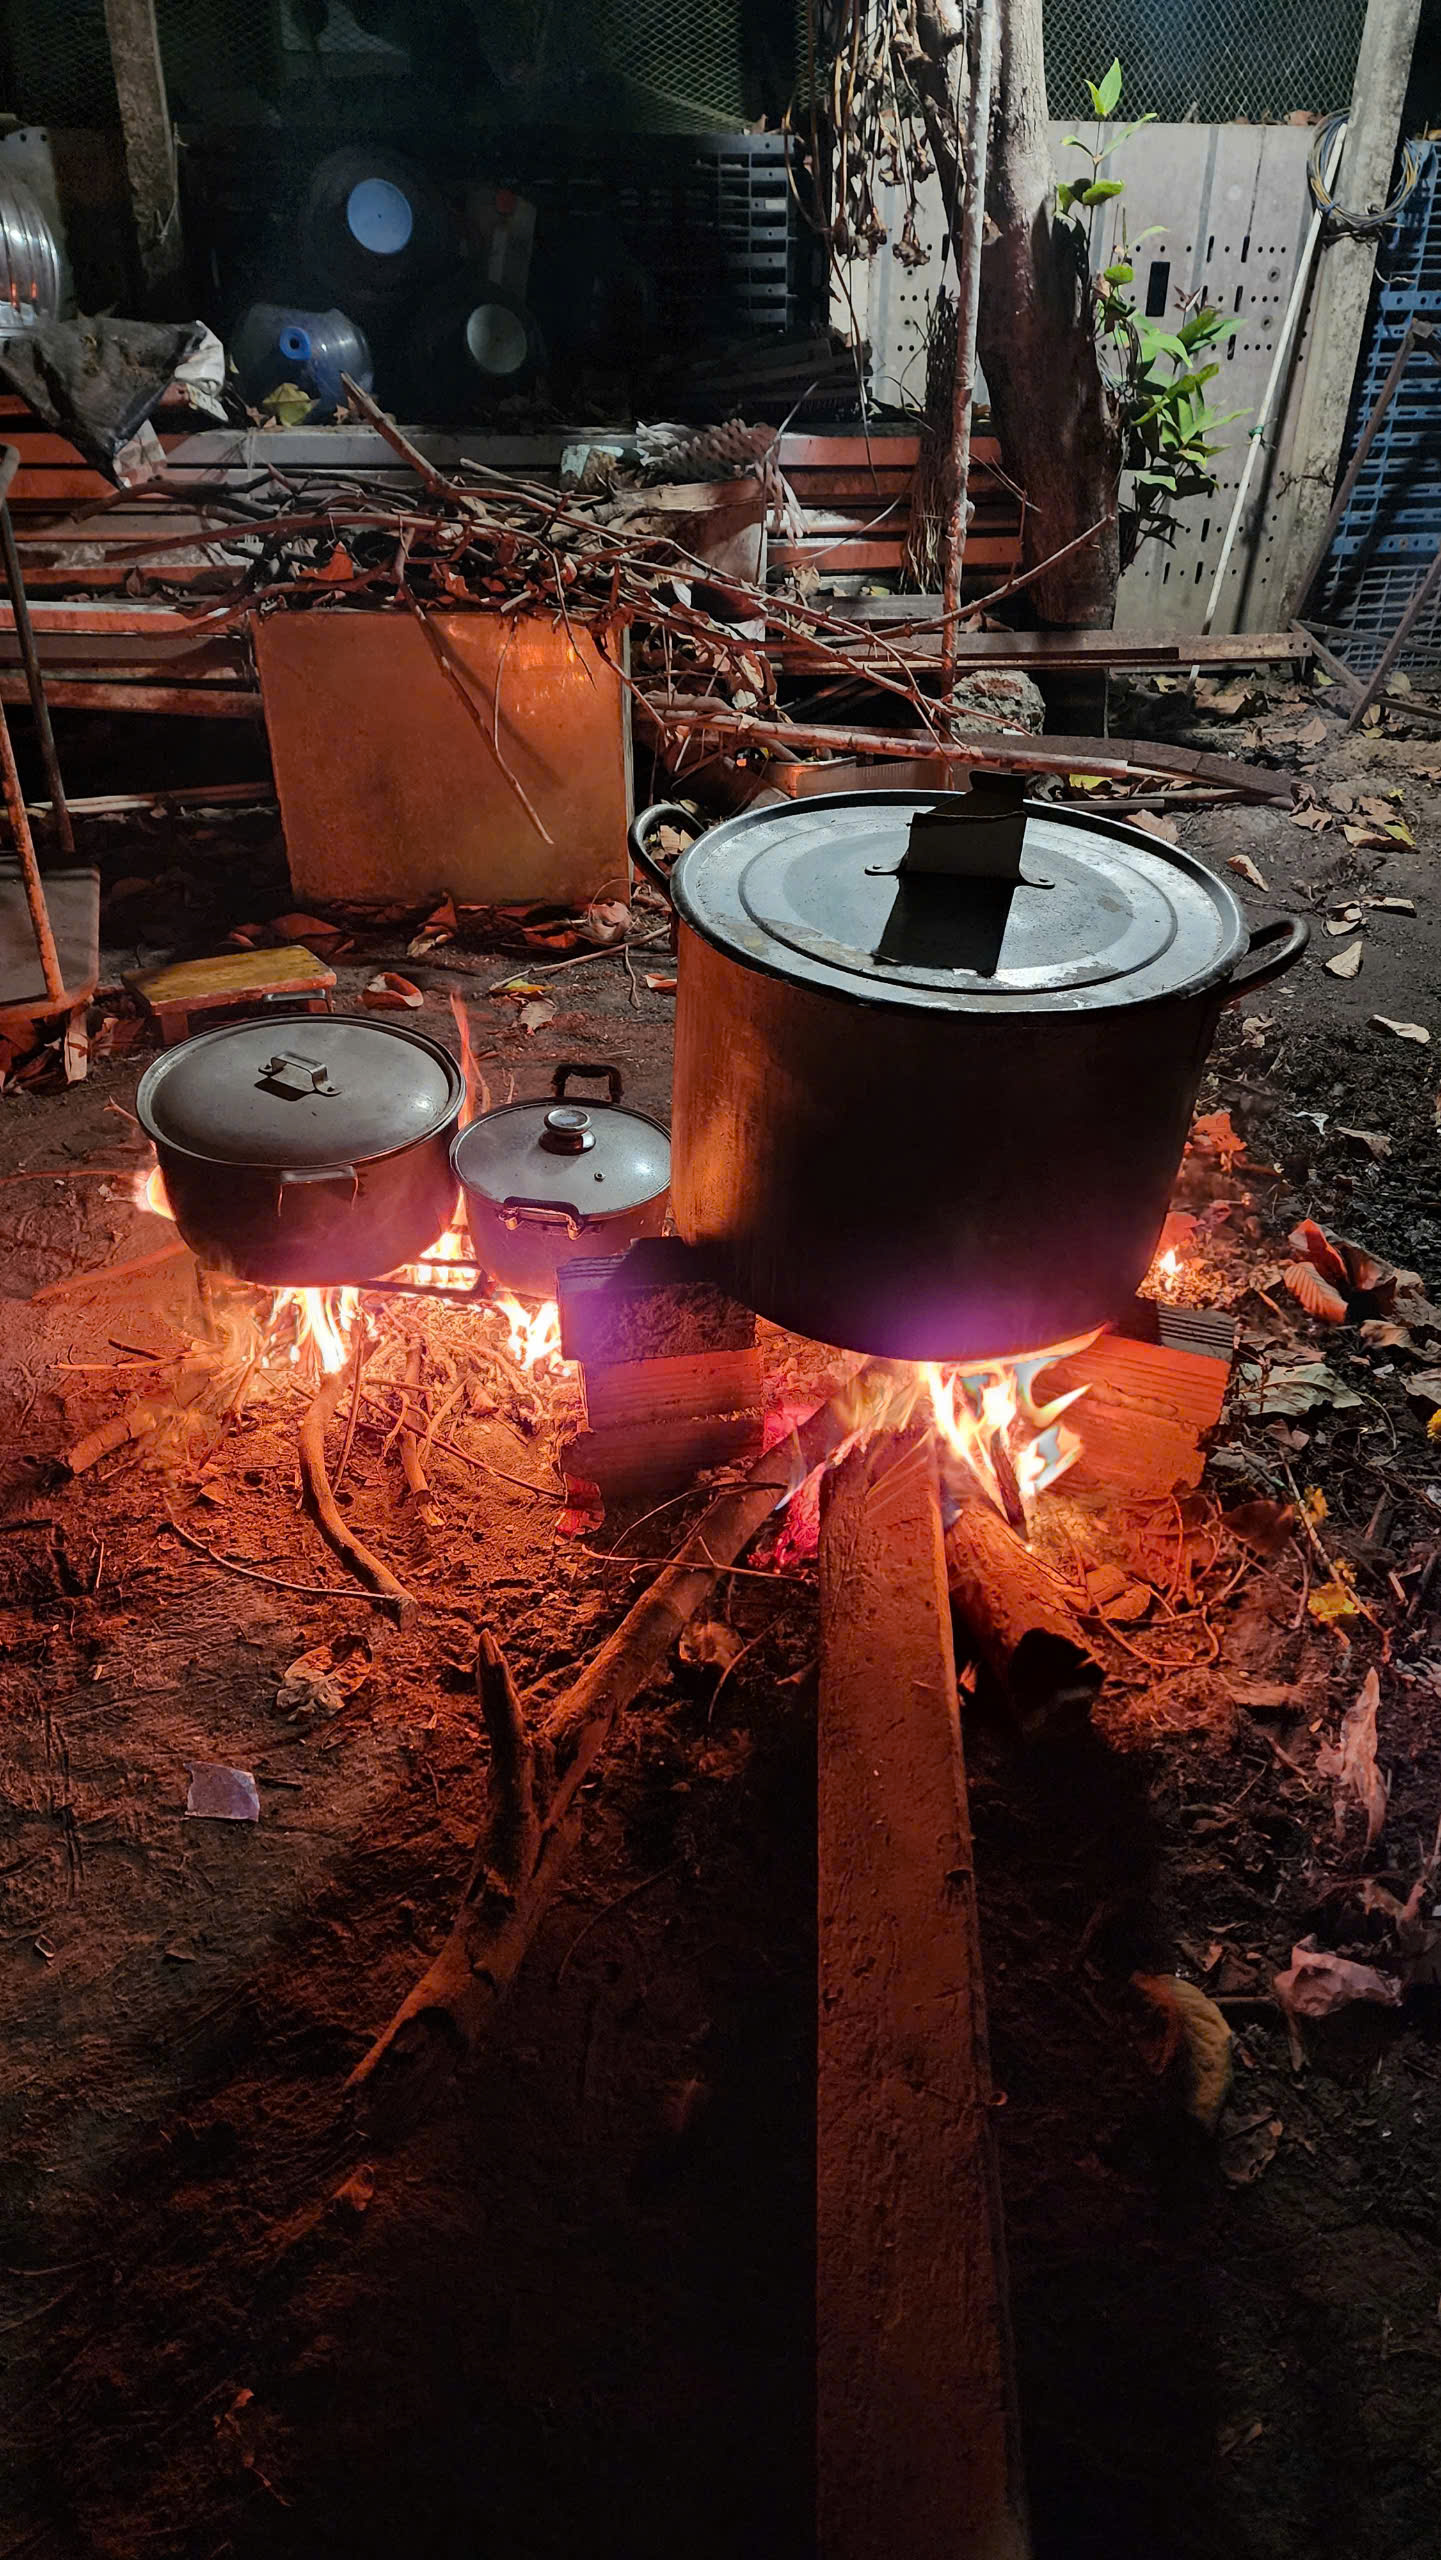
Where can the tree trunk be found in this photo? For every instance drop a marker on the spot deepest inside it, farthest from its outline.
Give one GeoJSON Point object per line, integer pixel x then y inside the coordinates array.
{"type": "Point", "coordinates": [1060, 436]}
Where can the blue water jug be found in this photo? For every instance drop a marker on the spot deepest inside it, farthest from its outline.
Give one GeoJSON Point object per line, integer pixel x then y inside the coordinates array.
{"type": "Point", "coordinates": [275, 344]}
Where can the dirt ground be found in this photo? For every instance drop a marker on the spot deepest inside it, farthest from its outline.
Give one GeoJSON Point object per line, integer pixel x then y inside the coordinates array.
{"type": "Point", "coordinates": [575, 2309]}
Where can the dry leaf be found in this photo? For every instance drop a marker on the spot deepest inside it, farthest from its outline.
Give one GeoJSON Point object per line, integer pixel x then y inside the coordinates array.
{"type": "Point", "coordinates": [1315, 819]}
{"type": "Point", "coordinates": [584, 1507]}
{"type": "Point", "coordinates": [322, 1680]}
{"type": "Point", "coordinates": [1156, 825]}
{"type": "Point", "coordinates": [1225, 700]}
{"type": "Point", "coordinates": [1317, 1984]}
{"type": "Point", "coordinates": [1215, 1135]}
{"type": "Point", "coordinates": [659, 985]}
{"type": "Point", "coordinates": [1351, 1763]}
{"type": "Point", "coordinates": [1375, 1142]}
{"type": "Point", "coordinates": [605, 922]}
{"type": "Point", "coordinates": [1296, 1388]}
{"type": "Point", "coordinates": [1336, 1598]}
{"type": "Point", "coordinates": [1394, 906]}
{"type": "Point", "coordinates": [390, 993]}
{"type": "Point", "coordinates": [1242, 862]}
{"type": "Point", "coordinates": [1344, 920]}
{"type": "Point", "coordinates": [1248, 2147]}
{"type": "Point", "coordinates": [710, 1640]}
{"type": "Point", "coordinates": [1347, 963]}
{"type": "Point", "coordinates": [437, 928]}
{"type": "Point", "coordinates": [1263, 1525]}
{"type": "Point", "coordinates": [1403, 1030]}
{"type": "Point", "coordinates": [1312, 732]}
{"type": "Point", "coordinates": [1319, 1296]}
{"type": "Point", "coordinates": [1193, 2025]}
{"type": "Point", "coordinates": [536, 1014]}
{"type": "Point", "coordinates": [75, 1047]}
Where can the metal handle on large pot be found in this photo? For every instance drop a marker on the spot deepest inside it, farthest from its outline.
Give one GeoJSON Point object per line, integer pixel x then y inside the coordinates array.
{"type": "Point", "coordinates": [553, 1209]}
{"type": "Point", "coordinates": [640, 852]}
{"type": "Point", "coordinates": [290, 1178]}
{"type": "Point", "coordinates": [1273, 947]}
{"type": "Point", "coordinates": [579, 1067]}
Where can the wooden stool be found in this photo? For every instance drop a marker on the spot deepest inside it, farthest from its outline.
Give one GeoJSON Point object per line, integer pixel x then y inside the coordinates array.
{"type": "Point", "coordinates": [229, 982]}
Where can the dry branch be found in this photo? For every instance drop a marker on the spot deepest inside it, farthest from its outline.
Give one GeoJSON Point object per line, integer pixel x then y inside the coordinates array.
{"type": "Point", "coordinates": [1016, 1617]}
{"type": "Point", "coordinates": [524, 1847]}
{"type": "Point", "coordinates": [321, 1504]}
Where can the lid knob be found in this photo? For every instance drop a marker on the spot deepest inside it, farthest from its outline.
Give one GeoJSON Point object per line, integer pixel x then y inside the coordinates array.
{"type": "Point", "coordinates": [567, 1130]}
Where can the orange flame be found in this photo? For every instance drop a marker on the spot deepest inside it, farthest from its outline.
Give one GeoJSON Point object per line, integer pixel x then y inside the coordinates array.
{"type": "Point", "coordinates": [148, 1192]}
{"type": "Point", "coordinates": [533, 1334]}
{"type": "Point", "coordinates": [992, 1419]}
{"type": "Point", "coordinates": [324, 1321]}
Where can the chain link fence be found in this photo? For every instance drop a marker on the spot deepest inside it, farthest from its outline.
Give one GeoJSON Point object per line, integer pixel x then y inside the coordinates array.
{"type": "Point", "coordinates": [1205, 61]}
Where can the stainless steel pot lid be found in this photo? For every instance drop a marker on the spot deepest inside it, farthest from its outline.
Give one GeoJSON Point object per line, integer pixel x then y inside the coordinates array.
{"type": "Point", "coordinates": [1102, 914]}
{"type": "Point", "coordinates": [308, 1090]}
{"type": "Point", "coordinates": [592, 1159]}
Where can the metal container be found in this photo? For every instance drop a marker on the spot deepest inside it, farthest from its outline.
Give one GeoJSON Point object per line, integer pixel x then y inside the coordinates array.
{"type": "Point", "coordinates": [546, 1181]}
{"type": "Point", "coordinates": [308, 1152]}
{"type": "Point", "coordinates": [936, 1059]}
{"type": "Point", "coordinates": [29, 259]}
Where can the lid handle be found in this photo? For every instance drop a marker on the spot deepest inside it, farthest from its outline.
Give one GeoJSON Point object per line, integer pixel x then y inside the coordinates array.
{"type": "Point", "coordinates": [582, 1067]}
{"type": "Point", "coordinates": [980, 836]}
{"type": "Point", "coordinates": [567, 1130]}
{"type": "Point", "coordinates": [290, 1073]}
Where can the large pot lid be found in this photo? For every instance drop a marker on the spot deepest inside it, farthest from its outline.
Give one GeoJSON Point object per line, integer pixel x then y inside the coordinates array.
{"type": "Point", "coordinates": [302, 1092]}
{"type": "Point", "coordinates": [1102, 914]}
{"type": "Point", "coordinates": [593, 1160]}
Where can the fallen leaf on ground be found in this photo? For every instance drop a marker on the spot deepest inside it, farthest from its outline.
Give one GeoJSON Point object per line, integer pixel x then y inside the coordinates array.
{"type": "Point", "coordinates": [1336, 1599]}
{"type": "Point", "coordinates": [1156, 825]}
{"type": "Point", "coordinates": [1316, 1984]}
{"type": "Point", "coordinates": [605, 922]}
{"type": "Point", "coordinates": [1403, 1030]}
{"type": "Point", "coordinates": [659, 985]}
{"type": "Point", "coordinates": [1374, 1141]}
{"type": "Point", "coordinates": [1315, 820]}
{"type": "Point", "coordinates": [1393, 906]}
{"type": "Point", "coordinates": [1215, 1135]}
{"type": "Point", "coordinates": [437, 928]}
{"type": "Point", "coordinates": [1262, 1525]}
{"type": "Point", "coordinates": [1296, 1389]}
{"type": "Point", "coordinates": [1192, 2025]}
{"type": "Point", "coordinates": [1312, 732]}
{"type": "Point", "coordinates": [584, 1507]}
{"type": "Point", "coordinates": [1248, 2148]}
{"type": "Point", "coordinates": [322, 1680]}
{"type": "Point", "coordinates": [710, 1640]}
{"type": "Point", "coordinates": [1368, 1287]}
{"type": "Point", "coordinates": [1227, 701]}
{"type": "Point", "coordinates": [1343, 920]}
{"type": "Point", "coordinates": [1319, 1296]}
{"type": "Point", "coordinates": [390, 993]}
{"type": "Point", "coordinates": [536, 1014]}
{"type": "Point", "coordinates": [1242, 862]}
{"type": "Point", "coordinates": [1350, 1764]}
{"type": "Point", "coordinates": [1347, 963]}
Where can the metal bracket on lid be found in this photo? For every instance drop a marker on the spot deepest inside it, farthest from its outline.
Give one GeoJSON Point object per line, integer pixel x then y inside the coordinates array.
{"type": "Point", "coordinates": [291, 1074]}
{"type": "Point", "coordinates": [980, 837]}
{"type": "Point", "coordinates": [975, 843]}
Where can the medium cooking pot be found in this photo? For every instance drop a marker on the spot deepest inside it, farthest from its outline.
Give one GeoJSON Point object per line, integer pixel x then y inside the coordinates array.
{"type": "Point", "coordinates": [546, 1182]}
{"type": "Point", "coordinates": [936, 1056]}
{"type": "Point", "coordinates": [308, 1152]}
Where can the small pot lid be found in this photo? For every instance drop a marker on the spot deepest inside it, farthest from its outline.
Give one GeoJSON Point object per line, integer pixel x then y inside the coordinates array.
{"type": "Point", "coordinates": [592, 1159]}
{"type": "Point", "coordinates": [1102, 914]}
{"type": "Point", "coordinates": [301, 1092]}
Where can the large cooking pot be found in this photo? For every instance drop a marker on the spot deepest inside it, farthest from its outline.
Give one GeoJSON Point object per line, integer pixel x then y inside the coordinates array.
{"type": "Point", "coordinates": [936, 1059]}
{"type": "Point", "coordinates": [546, 1182]}
{"type": "Point", "coordinates": [307, 1152]}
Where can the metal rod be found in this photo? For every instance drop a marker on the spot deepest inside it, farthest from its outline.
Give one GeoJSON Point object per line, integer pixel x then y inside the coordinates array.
{"type": "Point", "coordinates": [29, 867]}
{"type": "Point", "coordinates": [40, 708]}
{"type": "Point", "coordinates": [968, 297]}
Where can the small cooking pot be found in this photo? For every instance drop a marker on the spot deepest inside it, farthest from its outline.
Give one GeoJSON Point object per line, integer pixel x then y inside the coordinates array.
{"type": "Point", "coordinates": [305, 1153]}
{"type": "Point", "coordinates": [544, 1182]}
{"type": "Point", "coordinates": [936, 1056]}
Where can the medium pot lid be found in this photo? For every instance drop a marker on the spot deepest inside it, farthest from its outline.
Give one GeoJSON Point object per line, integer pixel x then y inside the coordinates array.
{"type": "Point", "coordinates": [305, 1091]}
{"type": "Point", "coordinates": [1101, 914]}
{"type": "Point", "coordinates": [592, 1158]}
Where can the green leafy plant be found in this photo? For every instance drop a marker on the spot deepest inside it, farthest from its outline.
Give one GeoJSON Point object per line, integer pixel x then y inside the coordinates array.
{"type": "Point", "coordinates": [1157, 374]}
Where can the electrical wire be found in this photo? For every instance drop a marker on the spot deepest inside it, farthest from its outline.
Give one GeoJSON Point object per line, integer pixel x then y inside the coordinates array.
{"type": "Point", "coordinates": [1360, 226]}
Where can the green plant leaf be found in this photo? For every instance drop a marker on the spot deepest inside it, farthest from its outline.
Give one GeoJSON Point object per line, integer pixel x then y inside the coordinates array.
{"type": "Point", "coordinates": [1065, 198]}
{"type": "Point", "coordinates": [1119, 275]}
{"type": "Point", "coordinates": [1108, 96]}
{"type": "Point", "coordinates": [1153, 231]}
{"type": "Point", "coordinates": [1118, 138]}
{"type": "Point", "coordinates": [1101, 188]}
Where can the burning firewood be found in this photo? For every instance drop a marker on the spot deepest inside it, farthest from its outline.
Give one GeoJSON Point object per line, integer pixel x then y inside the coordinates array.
{"type": "Point", "coordinates": [321, 1504]}
{"type": "Point", "coordinates": [534, 1818]}
{"type": "Point", "coordinates": [1017, 1618]}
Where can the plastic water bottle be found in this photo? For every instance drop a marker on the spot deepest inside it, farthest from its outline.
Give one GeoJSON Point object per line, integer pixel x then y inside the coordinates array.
{"type": "Point", "coordinates": [275, 344]}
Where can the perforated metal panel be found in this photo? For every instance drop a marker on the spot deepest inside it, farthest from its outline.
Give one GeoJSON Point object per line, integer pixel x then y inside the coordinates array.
{"type": "Point", "coordinates": [1234, 206]}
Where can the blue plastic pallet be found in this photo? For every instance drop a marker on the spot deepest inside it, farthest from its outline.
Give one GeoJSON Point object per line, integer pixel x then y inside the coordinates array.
{"type": "Point", "coordinates": [1391, 529]}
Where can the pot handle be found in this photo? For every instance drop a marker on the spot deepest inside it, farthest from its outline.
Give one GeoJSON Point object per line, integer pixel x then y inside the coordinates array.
{"type": "Point", "coordinates": [1274, 946]}
{"type": "Point", "coordinates": [511, 1208]}
{"type": "Point", "coordinates": [579, 1067]}
{"type": "Point", "coordinates": [289, 1179]}
{"type": "Point", "coordinates": [640, 852]}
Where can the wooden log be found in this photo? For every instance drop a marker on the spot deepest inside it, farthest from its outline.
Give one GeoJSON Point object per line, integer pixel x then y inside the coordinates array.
{"type": "Point", "coordinates": [321, 1504]}
{"type": "Point", "coordinates": [1017, 1618]}
{"type": "Point", "coordinates": [916, 2432]}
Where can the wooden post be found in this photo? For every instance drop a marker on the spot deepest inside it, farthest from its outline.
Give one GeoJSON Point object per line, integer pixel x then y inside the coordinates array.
{"type": "Point", "coordinates": [150, 162]}
{"type": "Point", "coordinates": [917, 2452]}
{"type": "Point", "coordinates": [968, 301]}
{"type": "Point", "coordinates": [1343, 283]}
